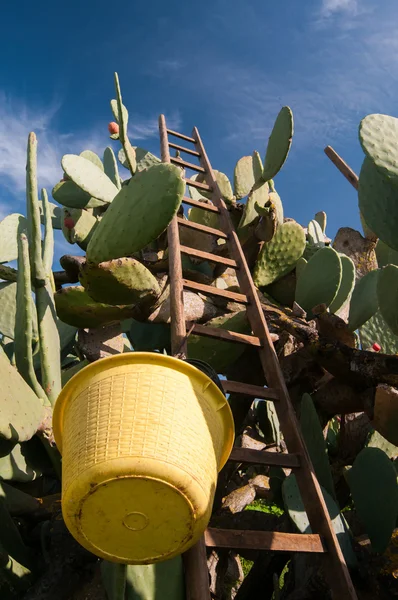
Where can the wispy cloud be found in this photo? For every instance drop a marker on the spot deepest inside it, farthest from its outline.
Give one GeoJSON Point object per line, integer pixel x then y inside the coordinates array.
{"type": "Point", "coordinates": [171, 64]}
{"type": "Point", "coordinates": [142, 128]}
{"type": "Point", "coordinates": [331, 7]}
{"type": "Point", "coordinates": [16, 121]}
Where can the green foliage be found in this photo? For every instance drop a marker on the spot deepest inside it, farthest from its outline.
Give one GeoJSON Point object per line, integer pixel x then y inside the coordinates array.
{"type": "Point", "coordinates": [121, 281]}
{"type": "Point", "coordinates": [279, 256]}
{"type": "Point", "coordinates": [218, 353]}
{"type": "Point", "coordinates": [110, 167]}
{"type": "Point", "coordinates": [21, 411]}
{"type": "Point", "coordinates": [10, 228]}
{"type": "Point", "coordinates": [377, 330]}
{"type": "Point", "coordinates": [75, 307]}
{"type": "Point", "coordinates": [295, 507]}
{"type": "Point", "coordinates": [164, 580]}
{"type": "Point", "coordinates": [320, 280]}
{"type": "Point", "coordinates": [378, 135]}
{"type": "Point", "coordinates": [378, 201]}
{"type": "Point", "coordinates": [364, 302]}
{"type": "Point", "coordinates": [279, 143]}
{"type": "Point", "coordinates": [89, 177]}
{"type": "Point", "coordinates": [387, 295]}
{"type": "Point", "coordinates": [373, 484]}
{"type": "Point", "coordinates": [139, 213]}
{"type": "Point", "coordinates": [346, 285]}
{"type": "Point", "coordinates": [315, 442]}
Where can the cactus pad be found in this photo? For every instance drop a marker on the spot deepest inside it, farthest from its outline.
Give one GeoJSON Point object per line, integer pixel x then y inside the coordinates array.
{"type": "Point", "coordinates": [373, 484]}
{"type": "Point", "coordinates": [244, 177]}
{"type": "Point", "coordinates": [110, 167]}
{"type": "Point", "coordinates": [295, 507]}
{"type": "Point", "coordinates": [92, 157]}
{"type": "Point", "coordinates": [8, 301]}
{"type": "Point", "coordinates": [279, 143]}
{"type": "Point", "coordinates": [120, 281]}
{"type": "Point", "coordinates": [139, 214]}
{"type": "Point", "coordinates": [144, 158]}
{"type": "Point", "coordinates": [320, 280]}
{"type": "Point", "coordinates": [69, 194]}
{"type": "Point", "coordinates": [21, 411]}
{"type": "Point", "coordinates": [220, 354]}
{"type": "Point", "coordinates": [377, 330]}
{"type": "Point", "coordinates": [279, 256]}
{"type": "Point", "coordinates": [10, 229]}
{"type": "Point", "coordinates": [387, 294]}
{"type": "Point", "coordinates": [89, 177]}
{"type": "Point", "coordinates": [378, 202]}
{"type": "Point", "coordinates": [385, 255]}
{"type": "Point", "coordinates": [364, 303]}
{"type": "Point", "coordinates": [316, 445]}
{"type": "Point", "coordinates": [258, 196]}
{"type": "Point", "coordinates": [378, 135]}
{"type": "Point", "coordinates": [321, 219]}
{"type": "Point", "coordinates": [315, 234]}
{"type": "Point", "coordinates": [75, 307]}
{"type": "Point", "coordinates": [115, 110]}
{"type": "Point", "coordinates": [78, 226]}
{"type": "Point", "coordinates": [55, 212]}
{"type": "Point", "coordinates": [346, 285]}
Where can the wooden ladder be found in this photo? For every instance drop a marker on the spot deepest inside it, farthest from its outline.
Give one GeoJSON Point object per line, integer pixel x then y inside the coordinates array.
{"type": "Point", "coordinates": [323, 540]}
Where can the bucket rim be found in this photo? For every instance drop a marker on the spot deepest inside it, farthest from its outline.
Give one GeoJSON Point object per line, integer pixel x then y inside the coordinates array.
{"type": "Point", "coordinates": [79, 381]}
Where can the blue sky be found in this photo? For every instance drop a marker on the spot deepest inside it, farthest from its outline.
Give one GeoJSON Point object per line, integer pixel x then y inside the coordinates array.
{"type": "Point", "coordinates": [226, 66]}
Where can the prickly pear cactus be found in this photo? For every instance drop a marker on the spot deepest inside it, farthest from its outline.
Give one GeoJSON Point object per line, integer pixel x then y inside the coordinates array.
{"type": "Point", "coordinates": [78, 226]}
{"type": "Point", "coordinates": [346, 285]}
{"type": "Point", "coordinates": [120, 281]}
{"type": "Point", "coordinates": [373, 484]}
{"type": "Point", "coordinates": [376, 330]}
{"type": "Point", "coordinates": [75, 307]}
{"type": "Point", "coordinates": [320, 280]}
{"type": "Point", "coordinates": [69, 194]}
{"type": "Point", "coordinates": [10, 229]}
{"type": "Point", "coordinates": [364, 302]}
{"type": "Point", "coordinates": [279, 144]}
{"type": "Point", "coordinates": [138, 214]}
{"type": "Point", "coordinates": [21, 410]}
{"type": "Point", "coordinates": [279, 256]}
{"type": "Point", "coordinates": [220, 354]}
{"type": "Point", "coordinates": [295, 507]}
{"type": "Point", "coordinates": [90, 178]}
{"type": "Point", "coordinates": [387, 292]}
{"type": "Point", "coordinates": [378, 201]}
{"type": "Point", "coordinates": [378, 135]}
{"type": "Point", "coordinates": [315, 442]}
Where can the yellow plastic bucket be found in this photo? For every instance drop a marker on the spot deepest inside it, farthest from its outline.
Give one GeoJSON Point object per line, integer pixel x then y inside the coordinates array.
{"type": "Point", "coordinates": [142, 437]}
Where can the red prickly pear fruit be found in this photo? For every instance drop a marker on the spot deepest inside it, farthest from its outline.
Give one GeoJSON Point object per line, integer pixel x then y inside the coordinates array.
{"type": "Point", "coordinates": [69, 223]}
{"type": "Point", "coordinates": [376, 347]}
{"type": "Point", "coordinates": [113, 127]}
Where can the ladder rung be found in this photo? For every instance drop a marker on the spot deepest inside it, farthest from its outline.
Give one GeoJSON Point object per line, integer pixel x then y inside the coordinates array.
{"type": "Point", "coordinates": [198, 204]}
{"type": "Point", "coordinates": [200, 227]}
{"type": "Point", "coordinates": [209, 290]}
{"type": "Point", "coordinates": [181, 135]}
{"type": "Point", "coordinates": [228, 262]}
{"type": "Point", "coordinates": [263, 540]}
{"type": "Point", "coordinates": [262, 457]}
{"type": "Point", "coordinates": [237, 387]}
{"type": "Point", "coordinates": [183, 149]}
{"type": "Point", "coordinates": [224, 334]}
{"type": "Point", "coordinates": [197, 184]}
{"type": "Point", "coordinates": [187, 165]}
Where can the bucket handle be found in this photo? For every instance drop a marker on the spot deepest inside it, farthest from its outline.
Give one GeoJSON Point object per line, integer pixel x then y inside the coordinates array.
{"type": "Point", "coordinates": [220, 402]}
